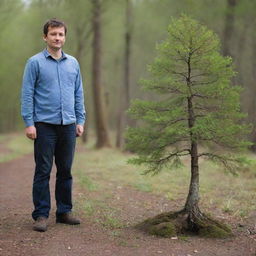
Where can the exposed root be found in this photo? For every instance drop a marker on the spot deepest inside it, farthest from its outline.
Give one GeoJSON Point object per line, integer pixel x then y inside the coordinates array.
{"type": "Point", "coordinates": [176, 223]}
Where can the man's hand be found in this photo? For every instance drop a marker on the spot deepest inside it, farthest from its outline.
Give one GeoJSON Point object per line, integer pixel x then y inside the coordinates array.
{"type": "Point", "coordinates": [79, 130]}
{"type": "Point", "coordinates": [31, 132]}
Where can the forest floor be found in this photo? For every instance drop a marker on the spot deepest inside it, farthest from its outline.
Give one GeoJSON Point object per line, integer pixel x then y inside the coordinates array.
{"type": "Point", "coordinates": [109, 204]}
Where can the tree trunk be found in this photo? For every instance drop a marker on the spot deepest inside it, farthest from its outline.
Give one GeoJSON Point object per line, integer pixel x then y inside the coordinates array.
{"type": "Point", "coordinates": [120, 125]}
{"type": "Point", "coordinates": [193, 195]}
{"type": "Point", "coordinates": [122, 118]}
{"type": "Point", "coordinates": [191, 206]}
{"type": "Point", "coordinates": [99, 103]}
{"type": "Point", "coordinates": [79, 54]}
{"type": "Point", "coordinates": [229, 27]}
{"type": "Point", "coordinates": [252, 108]}
{"type": "Point", "coordinates": [240, 51]}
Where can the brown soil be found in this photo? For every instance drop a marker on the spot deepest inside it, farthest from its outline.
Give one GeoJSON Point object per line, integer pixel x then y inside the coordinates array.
{"type": "Point", "coordinates": [91, 238]}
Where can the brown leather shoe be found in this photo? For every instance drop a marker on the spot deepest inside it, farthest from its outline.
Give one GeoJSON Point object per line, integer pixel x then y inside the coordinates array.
{"type": "Point", "coordinates": [40, 224]}
{"type": "Point", "coordinates": [67, 218]}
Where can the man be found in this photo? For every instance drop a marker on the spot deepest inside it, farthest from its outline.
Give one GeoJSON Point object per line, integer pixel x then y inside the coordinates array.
{"type": "Point", "coordinates": [52, 106]}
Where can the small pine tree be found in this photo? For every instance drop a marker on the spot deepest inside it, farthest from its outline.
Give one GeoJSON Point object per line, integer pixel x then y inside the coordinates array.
{"type": "Point", "coordinates": [199, 108]}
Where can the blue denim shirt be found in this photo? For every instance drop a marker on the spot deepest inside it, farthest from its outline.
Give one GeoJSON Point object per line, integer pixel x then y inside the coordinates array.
{"type": "Point", "coordinates": [52, 90]}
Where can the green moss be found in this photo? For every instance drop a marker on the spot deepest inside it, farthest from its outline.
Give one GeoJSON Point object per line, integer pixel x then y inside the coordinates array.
{"type": "Point", "coordinates": [163, 217]}
{"type": "Point", "coordinates": [156, 221]}
{"type": "Point", "coordinates": [166, 224]}
{"type": "Point", "coordinates": [212, 228]}
{"type": "Point", "coordinates": [214, 231]}
{"type": "Point", "coordinates": [176, 223]}
{"type": "Point", "coordinates": [165, 229]}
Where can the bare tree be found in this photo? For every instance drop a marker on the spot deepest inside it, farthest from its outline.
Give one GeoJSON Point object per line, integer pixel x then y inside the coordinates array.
{"type": "Point", "coordinates": [79, 18]}
{"type": "Point", "coordinates": [252, 106]}
{"type": "Point", "coordinates": [122, 119]}
{"type": "Point", "coordinates": [229, 26]}
{"type": "Point", "coordinates": [83, 33]}
{"type": "Point", "coordinates": [99, 103]}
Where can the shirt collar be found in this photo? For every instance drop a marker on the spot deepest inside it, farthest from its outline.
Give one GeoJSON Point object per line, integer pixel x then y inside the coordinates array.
{"type": "Point", "coordinates": [47, 54]}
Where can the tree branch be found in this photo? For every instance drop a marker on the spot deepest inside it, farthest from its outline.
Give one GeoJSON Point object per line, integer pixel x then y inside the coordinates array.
{"type": "Point", "coordinates": [204, 83]}
{"type": "Point", "coordinates": [177, 153]}
{"type": "Point", "coordinates": [224, 160]}
{"type": "Point", "coordinates": [199, 75]}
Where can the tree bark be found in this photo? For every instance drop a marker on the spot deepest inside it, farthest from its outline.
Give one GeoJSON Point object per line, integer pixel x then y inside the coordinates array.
{"type": "Point", "coordinates": [229, 26]}
{"type": "Point", "coordinates": [99, 103]}
{"type": "Point", "coordinates": [193, 195]}
{"type": "Point", "coordinates": [79, 53]}
{"type": "Point", "coordinates": [252, 108]}
{"type": "Point", "coordinates": [241, 49]}
{"type": "Point", "coordinates": [82, 35]}
{"type": "Point", "coordinates": [123, 119]}
{"type": "Point", "coordinates": [191, 205]}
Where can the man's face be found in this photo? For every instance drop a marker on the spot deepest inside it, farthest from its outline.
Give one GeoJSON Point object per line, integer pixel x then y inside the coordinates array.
{"type": "Point", "coordinates": [55, 37]}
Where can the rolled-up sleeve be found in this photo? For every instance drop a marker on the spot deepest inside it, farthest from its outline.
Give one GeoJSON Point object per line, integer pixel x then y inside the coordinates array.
{"type": "Point", "coordinates": [79, 100]}
{"type": "Point", "coordinates": [27, 94]}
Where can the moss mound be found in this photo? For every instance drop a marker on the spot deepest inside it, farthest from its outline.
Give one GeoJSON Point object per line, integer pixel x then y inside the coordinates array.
{"type": "Point", "coordinates": [177, 223]}
{"type": "Point", "coordinates": [165, 229]}
{"type": "Point", "coordinates": [212, 231]}
{"type": "Point", "coordinates": [211, 228]}
{"type": "Point", "coordinates": [164, 225]}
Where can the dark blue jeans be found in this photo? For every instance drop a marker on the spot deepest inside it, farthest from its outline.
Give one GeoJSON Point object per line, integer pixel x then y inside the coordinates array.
{"type": "Point", "coordinates": [53, 141]}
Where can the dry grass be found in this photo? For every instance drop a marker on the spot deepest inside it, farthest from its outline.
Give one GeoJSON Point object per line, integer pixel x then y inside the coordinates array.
{"type": "Point", "coordinates": [13, 146]}
{"type": "Point", "coordinates": [221, 191]}
{"type": "Point", "coordinates": [95, 169]}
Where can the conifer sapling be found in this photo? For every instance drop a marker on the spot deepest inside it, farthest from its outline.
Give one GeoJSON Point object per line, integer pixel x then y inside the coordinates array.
{"type": "Point", "coordinates": [198, 115]}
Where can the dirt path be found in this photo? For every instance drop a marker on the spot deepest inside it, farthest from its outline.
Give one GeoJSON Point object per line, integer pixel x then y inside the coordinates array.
{"type": "Point", "coordinates": [91, 238]}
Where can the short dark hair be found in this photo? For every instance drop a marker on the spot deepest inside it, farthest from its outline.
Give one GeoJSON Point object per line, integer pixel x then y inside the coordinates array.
{"type": "Point", "coordinates": [54, 23]}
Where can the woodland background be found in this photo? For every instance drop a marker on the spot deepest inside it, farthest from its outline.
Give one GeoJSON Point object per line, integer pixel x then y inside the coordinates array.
{"type": "Point", "coordinates": [114, 40]}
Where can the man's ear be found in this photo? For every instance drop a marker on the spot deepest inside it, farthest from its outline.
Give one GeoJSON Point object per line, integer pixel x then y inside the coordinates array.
{"type": "Point", "coordinates": [44, 38]}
